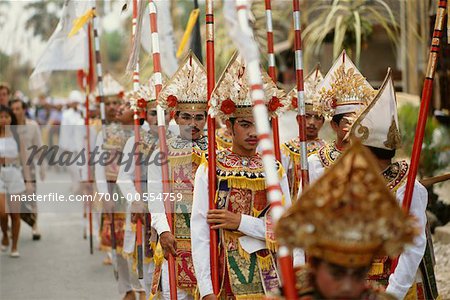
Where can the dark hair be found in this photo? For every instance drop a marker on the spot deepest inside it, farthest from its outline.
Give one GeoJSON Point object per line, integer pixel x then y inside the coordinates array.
{"type": "Point", "coordinates": [382, 153]}
{"type": "Point", "coordinates": [24, 105]}
{"type": "Point", "coordinates": [8, 110]}
{"type": "Point", "coordinates": [4, 85]}
{"type": "Point", "coordinates": [337, 118]}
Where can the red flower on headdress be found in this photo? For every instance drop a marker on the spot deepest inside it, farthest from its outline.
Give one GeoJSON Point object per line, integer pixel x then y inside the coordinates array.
{"type": "Point", "coordinates": [228, 107]}
{"type": "Point", "coordinates": [121, 94]}
{"type": "Point", "coordinates": [172, 101]}
{"type": "Point", "coordinates": [141, 103]}
{"type": "Point", "coordinates": [274, 104]}
{"type": "Point", "coordinates": [98, 99]}
{"type": "Point", "coordinates": [294, 102]}
{"type": "Point", "coordinates": [172, 114]}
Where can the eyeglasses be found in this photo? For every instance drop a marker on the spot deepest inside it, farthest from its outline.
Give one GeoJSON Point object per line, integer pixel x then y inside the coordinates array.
{"type": "Point", "coordinates": [189, 117]}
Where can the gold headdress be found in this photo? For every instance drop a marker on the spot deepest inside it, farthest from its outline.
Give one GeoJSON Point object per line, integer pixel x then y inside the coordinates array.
{"type": "Point", "coordinates": [377, 126]}
{"type": "Point", "coordinates": [144, 98]}
{"type": "Point", "coordinates": [111, 88]}
{"type": "Point", "coordinates": [311, 84]}
{"type": "Point", "coordinates": [187, 89]}
{"type": "Point", "coordinates": [231, 97]}
{"type": "Point", "coordinates": [344, 89]}
{"type": "Point", "coordinates": [348, 216]}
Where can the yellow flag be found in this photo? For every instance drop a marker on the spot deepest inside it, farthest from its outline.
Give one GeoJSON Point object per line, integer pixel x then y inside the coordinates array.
{"type": "Point", "coordinates": [187, 33]}
{"type": "Point", "coordinates": [81, 21]}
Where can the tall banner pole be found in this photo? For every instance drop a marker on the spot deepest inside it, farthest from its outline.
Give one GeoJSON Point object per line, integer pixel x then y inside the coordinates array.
{"type": "Point", "coordinates": [157, 75]}
{"type": "Point", "coordinates": [301, 113]}
{"type": "Point", "coordinates": [272, 74]}
{"type": "Point", "coordinates": [424, 107]}
{"type": "Point", "coordinates": [261, 116]}
{"type": "Point", "coordinates": [210, 71]}
{"type": "Point", "coordinates": [137, 138]}
{"type": "Point", "coordinates": [101, 95]}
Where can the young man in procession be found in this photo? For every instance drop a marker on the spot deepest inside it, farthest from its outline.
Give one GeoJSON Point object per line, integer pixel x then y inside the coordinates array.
{"type": "Point", "coordinates": [144, 102]}
{"type": "Point", "coordinates": [117, 132]}
{"type": "Point", "coordinates": [184, 96]}
{"type": "Point", "coordinates": [291, 149]}
{"type": "Point", "coordinates": [366, 223]}
{"type": "Point", "coordinates": [342, 94]}
{"type": "Point", "coordinates": [247, 265]}
{"type": "Point", "coordinates": [378, 128]}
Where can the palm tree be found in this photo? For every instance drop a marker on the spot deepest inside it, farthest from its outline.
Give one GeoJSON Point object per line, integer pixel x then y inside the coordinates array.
{"type": "Point", "coordinates": [349, 23]}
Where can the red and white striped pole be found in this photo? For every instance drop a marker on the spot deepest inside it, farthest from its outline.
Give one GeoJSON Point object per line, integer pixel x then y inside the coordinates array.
{"type": "Point", "coordinates": [261, 116]}
{"type": "Point", "coordinates": [272, 74]}
{"type": "Point", "coordinates": [137, 138]}
{"type": "Point", "coordinates": [424, 107]}
{"type": "Point", "coordinates": [157, 76]}
{"type": "Point", "coordinates": [301, 114]}
{"type": "Point", "coordinates": [212, 179]}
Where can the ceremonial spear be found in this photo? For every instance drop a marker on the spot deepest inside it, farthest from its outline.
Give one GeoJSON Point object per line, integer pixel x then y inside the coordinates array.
{"type": "Point", "coordinates": [101, 96]}
{"type": "Point", "coordinates": [249, 50]}
{"type": "Point", "coordinates": [301, 112]}
{"type": "Point", "coordinates": [162, 138]}
{"type": "Point", "coordinates": [210, 79]}
{"type": "Point", "coordinates": [137, 138]}
{"type": "Point", "coordinates": [272, 74]}
{"type": "Point", "coordinates": [424, 106]}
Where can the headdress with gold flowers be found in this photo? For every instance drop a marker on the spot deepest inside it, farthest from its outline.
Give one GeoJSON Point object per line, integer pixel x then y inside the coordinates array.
{"type": "Point", "coordinates": [143, 99]}
{"type": "Point", "coordinates": [231, 98]}
{"type": "Point", "coordinates": [111, 88]}
{"type": "Point", "coordinates": [348, 216]}
{"type": "Point", "coordinates": [344, 89]}
{"type": "Point", "coordinates": [187, 89]}
{"type": "Point", "coordinates": [311, 84]}
{"type": "Point", "coordinates": [377, 125]}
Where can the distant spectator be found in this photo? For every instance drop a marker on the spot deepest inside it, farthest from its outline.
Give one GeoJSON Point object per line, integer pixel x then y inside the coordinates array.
{"type": "Point", "coordinates": [5, 93]}
{"type": "Point", "coordinates": [42, 112]}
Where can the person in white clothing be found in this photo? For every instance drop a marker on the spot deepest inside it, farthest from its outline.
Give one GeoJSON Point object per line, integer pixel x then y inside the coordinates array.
{"type": "Point", "coordinates": [12, 159]}
{"type": "Point", "coordinates": [242, 212]}
{"type": "Point", "coordinates": [378, 128]}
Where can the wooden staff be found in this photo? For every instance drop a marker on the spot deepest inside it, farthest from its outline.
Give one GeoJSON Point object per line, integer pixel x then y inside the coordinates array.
{"type": "Point", "coordinates": [162, 138]}
{"type": "Point", "coordinates": [137, 138]}
{"type": "Point", "coordinates": [260, 114]}
{"type": "Point", "coordinates": [424, 107]}
{"type": "Point", "coordinates": [272, 74]}
{"type": "Point", "coordinates": [301, 113]}
{"type": "Point", "coordinates": [210, 72]}
{"type": "Point", "coordinates": [88, 86]}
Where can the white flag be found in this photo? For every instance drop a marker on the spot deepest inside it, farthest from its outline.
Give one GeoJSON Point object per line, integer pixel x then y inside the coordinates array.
{"type": "Point", "coordinates": [62, 52]}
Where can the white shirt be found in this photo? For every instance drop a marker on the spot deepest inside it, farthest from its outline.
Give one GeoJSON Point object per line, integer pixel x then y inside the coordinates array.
{"type": "Point", "coordinates": [8, 147]}
{"type": "Point", "coordinates": [99, 168]}
{"type": "Point", "coordinates": [250, 226]}
{"type": "Point", "coordinates": [405, 273]}
{"type": "Point", "coordinates": [155, 188]}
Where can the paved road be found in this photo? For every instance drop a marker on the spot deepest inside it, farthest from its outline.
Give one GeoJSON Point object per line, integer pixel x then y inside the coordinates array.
{"type": "Point", "coordinates": [59, 266]}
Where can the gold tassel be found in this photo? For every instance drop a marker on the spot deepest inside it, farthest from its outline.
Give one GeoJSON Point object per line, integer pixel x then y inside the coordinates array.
{"type": "Point", "coordinates": [271, 245]}
{"type": "Point", "coordinates": [250, 297]}
{"type": "Point", "coordinates": [81, 21]}
{"type": "Point", "coordinates": [244, 254]}
{"type": "Point", "coordinates": [265, 263]}
{"type": "Point", "coordinates": [376, 269]}
{"type": "Point", "coordinates": [158, 256]}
